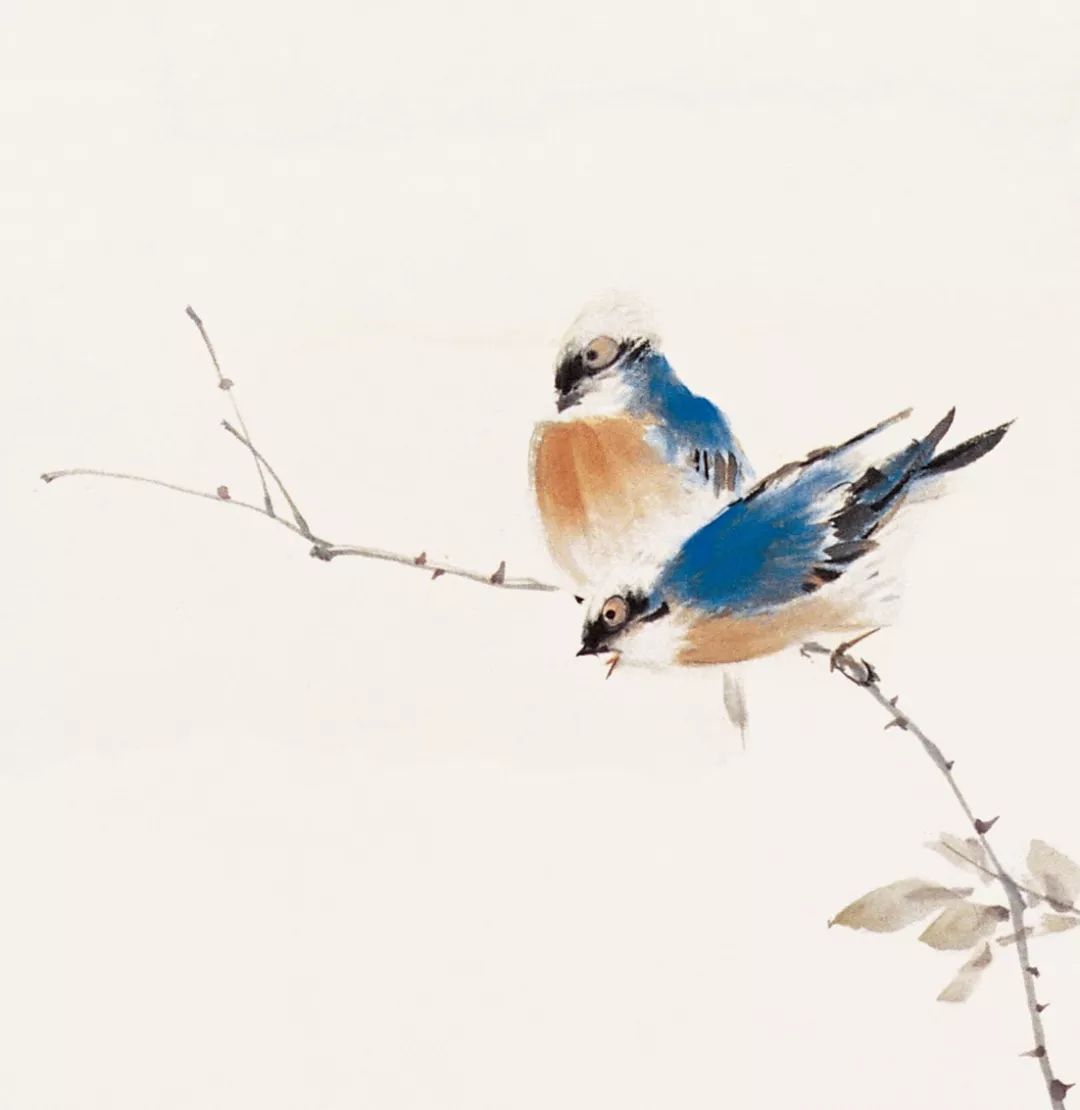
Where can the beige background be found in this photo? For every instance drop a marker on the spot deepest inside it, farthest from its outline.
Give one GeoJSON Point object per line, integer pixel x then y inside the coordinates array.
{"type": "Point", "coordinates": [276, 834]}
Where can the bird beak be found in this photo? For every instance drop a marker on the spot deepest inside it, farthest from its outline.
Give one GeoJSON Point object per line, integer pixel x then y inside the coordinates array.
{"type": "Point", "coordinates": [586, 649]}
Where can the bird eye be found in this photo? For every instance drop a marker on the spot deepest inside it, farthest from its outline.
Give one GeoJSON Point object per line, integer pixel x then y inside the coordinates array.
{"type": "Point", "coordinates": [614, 611]}
{"type": "Point", "coordinates": [601, 353]}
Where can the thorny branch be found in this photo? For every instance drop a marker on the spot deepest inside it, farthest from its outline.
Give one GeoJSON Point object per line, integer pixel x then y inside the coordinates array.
{"type": "Point", "coordinates": [322, 549]}
{"type": "Point", "coordinates": [862, 674]}
{"type": "Point", "coordinates": [858, 671]}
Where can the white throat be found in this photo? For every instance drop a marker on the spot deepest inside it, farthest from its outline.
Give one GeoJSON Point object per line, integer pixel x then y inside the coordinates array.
{"type": "Point", "coordinates": [607, 396]}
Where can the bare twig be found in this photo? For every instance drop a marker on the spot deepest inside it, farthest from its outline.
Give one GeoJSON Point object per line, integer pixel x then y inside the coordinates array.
{"type": "Point", "coordinates": [227, 385]}
{"type": "Point", "coordinates": [298, 516]}
{"type": "Point", "coordinates": [863, 674]}
{"type": "Point", "coordinates": [322, 549]}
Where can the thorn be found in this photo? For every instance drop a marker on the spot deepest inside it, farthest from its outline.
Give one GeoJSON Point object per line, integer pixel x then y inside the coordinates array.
{"type": "Point", "coordinates": [437, 573]}
{"type": "Point", "coordinates": [1033, 972]}
{"type": "Point", "coordinates": [1036, 1052]}
{"type": "Point", "coordinates": [1040, 1006]}
{"type": "Point", "coordinates": [320, 552]}
{"type": "Point", "coordinates": [950, 764]}
{"type": "Point", "coordinates": [226, 384]}
{"type": "Point", "coordinates": [897, 722]}
{"type": "Point", "coordinates": [499, 577]}
{"type": "Point", "coordinates": [982, 826]}
{"type": "Point", "coordinates": [47, 478]}
{"type": "Point", "coordinates": [223, 493]}
{"type": "Point", "coordinates": [893, 701]}
{"type": "Point", "coordinates": [421, 559]}
{"type": "Point", "coordinates": [1059, 1090]}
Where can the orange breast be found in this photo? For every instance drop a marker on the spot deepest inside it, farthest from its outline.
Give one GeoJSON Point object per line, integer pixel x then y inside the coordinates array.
{"type": "Point", "coordinates": [596, 480]}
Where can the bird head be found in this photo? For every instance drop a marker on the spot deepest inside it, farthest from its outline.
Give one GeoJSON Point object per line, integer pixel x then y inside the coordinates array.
{"type": "Point", "coordinates": [632, 622]}
{"type": "Point", "coordinates": [601, 347]}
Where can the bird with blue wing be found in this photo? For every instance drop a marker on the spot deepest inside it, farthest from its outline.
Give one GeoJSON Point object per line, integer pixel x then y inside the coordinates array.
{"type": "Point", "coordinates": [632, 462]}
{"type": "Point", "coordinates": [805, 551]}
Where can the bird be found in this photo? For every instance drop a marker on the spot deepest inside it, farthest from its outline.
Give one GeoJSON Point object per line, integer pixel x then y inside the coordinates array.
{"type": "Point", "coordinates": [809, 549]}
{"type": "Point", "coordinates": [632, 462]}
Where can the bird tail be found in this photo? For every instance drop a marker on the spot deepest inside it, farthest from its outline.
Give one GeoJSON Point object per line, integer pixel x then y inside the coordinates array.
{"type": "Point", "coordinates": [967, 452]}
{"type": "Point", "coordinates": [876, 495]}
{"type": "Point", "coordinates": [867, 537]}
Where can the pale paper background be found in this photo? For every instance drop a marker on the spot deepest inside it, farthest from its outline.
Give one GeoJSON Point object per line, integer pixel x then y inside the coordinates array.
{"type": "Point", "coordinates": [277, 834]}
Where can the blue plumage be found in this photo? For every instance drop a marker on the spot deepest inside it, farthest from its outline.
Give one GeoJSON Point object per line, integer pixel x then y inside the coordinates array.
{"type": "Point", "coordinates": [686, 422]}
{"type": "Point", "coordinates": [804, 526]}
{"type": "Point", "coordinates": [755, 554]}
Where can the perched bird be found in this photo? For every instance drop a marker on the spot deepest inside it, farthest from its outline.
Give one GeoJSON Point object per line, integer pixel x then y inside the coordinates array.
{"type": "Point", "coordinates": [805, 551]}
{"type": "Point", "coordinates": [633, 462]}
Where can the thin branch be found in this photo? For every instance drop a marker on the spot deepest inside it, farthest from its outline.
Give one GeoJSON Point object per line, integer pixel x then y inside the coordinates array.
{"type": "Point", "coordinates": [863, 675]}
{"type": "Point", "coordinates": [498, 577]}
{"type": "Point", "coordinates": [82, 471]}
{"type": "Point", "coordinates": [298, 516]}
{"type": "Point", "coordinates": [323, 549]}
{"type": "Point", "coordinates": [227, 385]}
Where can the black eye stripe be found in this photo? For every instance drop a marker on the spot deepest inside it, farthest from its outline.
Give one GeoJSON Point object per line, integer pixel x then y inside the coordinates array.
{"type": "Point", "coordinates": [661, 610]}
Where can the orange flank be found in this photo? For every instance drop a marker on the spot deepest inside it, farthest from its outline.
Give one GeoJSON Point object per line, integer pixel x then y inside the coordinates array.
{"type": "Point", "coordinates": [730, 639]}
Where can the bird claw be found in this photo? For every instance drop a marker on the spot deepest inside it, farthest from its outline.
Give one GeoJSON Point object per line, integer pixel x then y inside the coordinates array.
{"type": "Point", "coordinates": [859, 671]}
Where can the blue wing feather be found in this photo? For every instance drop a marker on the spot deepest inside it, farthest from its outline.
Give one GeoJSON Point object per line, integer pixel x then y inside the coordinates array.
{"type": "Point", "coordinates": [686, 423]}
{"type": "Point", "coordinates": [788, 535]}
{"type": "Point", "coordinates": [756, 553]}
